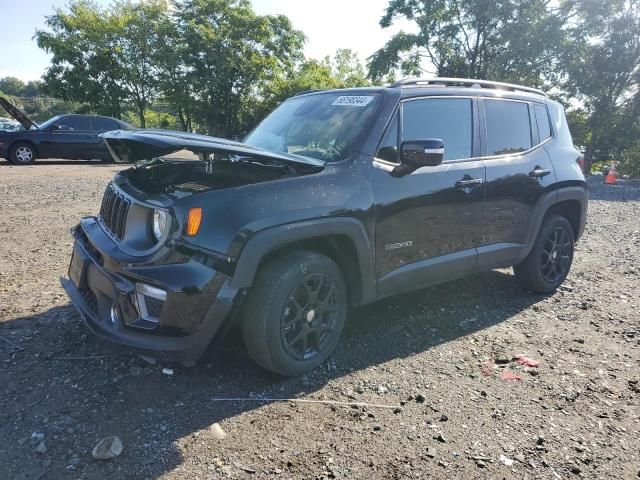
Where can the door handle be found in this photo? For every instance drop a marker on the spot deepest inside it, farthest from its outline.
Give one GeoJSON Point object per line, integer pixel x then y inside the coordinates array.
{"type": "Point", "coordinates": [469, 183]}
{"type": "Point", "coordinates": [539, 172]}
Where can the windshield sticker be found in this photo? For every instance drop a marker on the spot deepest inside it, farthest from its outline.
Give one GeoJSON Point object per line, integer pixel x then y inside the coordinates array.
{"type": "Point", "coordinates": [353, 101]}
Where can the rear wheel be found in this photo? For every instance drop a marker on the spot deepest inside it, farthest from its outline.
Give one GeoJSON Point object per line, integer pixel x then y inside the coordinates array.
{"type": "Point", "coordinates": [549, 262]}
{"type": "Point", "coordinates": [22, 154]}
{"type": "Point", "coordinates": [295, 313]}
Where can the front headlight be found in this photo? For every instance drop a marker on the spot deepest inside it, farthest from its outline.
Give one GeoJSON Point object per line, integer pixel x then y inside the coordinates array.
{"type": "Point", "coordinates": [161, 224]}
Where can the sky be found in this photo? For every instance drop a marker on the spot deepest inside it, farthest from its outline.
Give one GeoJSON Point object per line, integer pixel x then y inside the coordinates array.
{"type": "Point", "coordinates": [328, 25]}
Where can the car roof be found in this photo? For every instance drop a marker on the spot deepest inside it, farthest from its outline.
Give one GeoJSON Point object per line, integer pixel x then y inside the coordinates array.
{"type": "Point", "coordinates": [85, 115]}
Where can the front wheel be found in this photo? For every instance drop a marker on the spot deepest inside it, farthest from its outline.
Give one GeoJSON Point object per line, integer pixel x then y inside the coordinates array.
{"type": "Point", "coordinates": [550, 259]}
{"type": "Point", "coordinates": [295, 313]}
{"type": "Point", "coordinates": [22, 154]}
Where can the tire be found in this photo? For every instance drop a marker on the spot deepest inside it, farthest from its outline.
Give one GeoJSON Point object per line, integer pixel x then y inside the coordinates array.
{"type": "Point", "coordinates": [286, 327]}
{"type": "Point", "coordinates": [550, 259]}
{"type": "Point", "coordinates": [22, 153]}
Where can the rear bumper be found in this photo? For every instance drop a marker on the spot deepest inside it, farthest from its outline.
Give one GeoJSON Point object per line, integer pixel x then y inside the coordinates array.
{"type": "Point", "coordinates": [190, 317]}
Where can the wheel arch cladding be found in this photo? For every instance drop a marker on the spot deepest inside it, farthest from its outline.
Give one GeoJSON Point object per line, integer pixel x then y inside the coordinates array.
{"type": "Point", "coordinates": [342, 239]}
{"type": "Point", "coordinates": [569, 209]}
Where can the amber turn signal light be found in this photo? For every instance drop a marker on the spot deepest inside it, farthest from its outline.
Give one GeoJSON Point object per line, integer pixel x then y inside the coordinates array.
{"type": "Point", "coordinates": [194, 219]}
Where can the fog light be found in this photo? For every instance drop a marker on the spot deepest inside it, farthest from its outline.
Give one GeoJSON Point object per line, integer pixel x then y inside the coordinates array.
{"type": "Point", "coordinates": [149, 291]}
{"type": "Point", "coordinates": [115, 316]}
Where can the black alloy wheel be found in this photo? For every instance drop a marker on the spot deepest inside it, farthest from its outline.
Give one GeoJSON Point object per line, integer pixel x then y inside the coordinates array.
{"type": "Point", "coordinates": [556, 255]}
{"type": "Point", "coordinates": [551, 256]}
{"type": "Point", "coordinates": [295, 312]}
{"type": "Point", "coordinates": [310, 316]}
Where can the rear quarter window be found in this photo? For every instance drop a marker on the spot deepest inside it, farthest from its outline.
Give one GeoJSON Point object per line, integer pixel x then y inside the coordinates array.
{"type": "Point", "coordinates": [542, 118]}
{"type": "Point", "coordinates": [508, 127]}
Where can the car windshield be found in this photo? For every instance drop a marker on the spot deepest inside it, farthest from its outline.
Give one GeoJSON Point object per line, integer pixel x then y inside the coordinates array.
{"type": "Point", "coordinates": [323, 126]}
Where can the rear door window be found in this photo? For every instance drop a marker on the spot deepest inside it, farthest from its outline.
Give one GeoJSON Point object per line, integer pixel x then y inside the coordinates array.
{"type": "Point", "coordinates": [75, 122]}
{"type": "Point", "coordinates": [447, 119]}
{"type": "Point", "coordinates": [508, 127]}
{"type": "Point", "coordinates": [542, 117]}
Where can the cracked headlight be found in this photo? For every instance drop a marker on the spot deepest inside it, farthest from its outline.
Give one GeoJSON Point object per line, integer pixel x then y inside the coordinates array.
{"type": "Point", "coordinates": [161, 224]}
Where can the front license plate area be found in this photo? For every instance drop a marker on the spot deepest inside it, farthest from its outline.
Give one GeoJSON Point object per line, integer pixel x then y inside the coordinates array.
{"type": "Point", "coordinates": [78, 270]}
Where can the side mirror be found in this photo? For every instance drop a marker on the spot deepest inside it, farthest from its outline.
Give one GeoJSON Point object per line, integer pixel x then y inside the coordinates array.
{"type": "Point", "coordinates": [54, 128]}
{"type": "Point", "coordinates": [422, 153]}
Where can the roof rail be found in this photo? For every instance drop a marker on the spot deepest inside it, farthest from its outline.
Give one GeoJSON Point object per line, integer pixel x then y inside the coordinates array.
{"type": "Point", "coordinates": [313, 90]}
{"type": "Point", "coordinates": [470, 82]}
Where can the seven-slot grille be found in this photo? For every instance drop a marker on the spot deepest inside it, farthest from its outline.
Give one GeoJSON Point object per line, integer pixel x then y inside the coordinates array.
{"type": "Point", "coordinates": [113, 211]}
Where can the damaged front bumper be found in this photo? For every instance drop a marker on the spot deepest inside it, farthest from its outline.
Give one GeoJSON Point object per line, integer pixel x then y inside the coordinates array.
{"type": "Point", "coordinates": [166, 311]}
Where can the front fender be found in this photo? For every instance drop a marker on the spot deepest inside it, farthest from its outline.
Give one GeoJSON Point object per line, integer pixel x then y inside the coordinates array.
{"type": "Point", "coordinates": [268, 240]}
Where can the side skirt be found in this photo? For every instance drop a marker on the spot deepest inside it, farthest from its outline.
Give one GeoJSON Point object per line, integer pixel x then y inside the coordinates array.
{"type": "Point", "coordinates": [427, 272]}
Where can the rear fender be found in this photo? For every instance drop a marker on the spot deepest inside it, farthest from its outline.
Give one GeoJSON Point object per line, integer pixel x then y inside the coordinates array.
{"type": "Point", "coordinates": [580, 194]}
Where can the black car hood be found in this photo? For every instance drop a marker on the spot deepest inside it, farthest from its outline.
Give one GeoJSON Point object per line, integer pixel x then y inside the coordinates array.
{"type": "Point", "coordinates": [18, 114]}
{"type": "Point", "coordinates": [131, 146]}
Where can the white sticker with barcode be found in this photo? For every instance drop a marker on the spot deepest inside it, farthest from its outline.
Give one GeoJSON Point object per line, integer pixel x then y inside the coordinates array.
{"type": "Point", "coordinates": [353, 101]}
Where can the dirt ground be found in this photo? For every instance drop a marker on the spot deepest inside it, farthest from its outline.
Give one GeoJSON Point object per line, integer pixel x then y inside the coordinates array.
{"type": "Point", "coordinates": [432, 354]}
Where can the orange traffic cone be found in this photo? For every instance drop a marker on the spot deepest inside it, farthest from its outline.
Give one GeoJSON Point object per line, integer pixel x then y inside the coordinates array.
{"type": "Point", "coordinates": [611, 177]}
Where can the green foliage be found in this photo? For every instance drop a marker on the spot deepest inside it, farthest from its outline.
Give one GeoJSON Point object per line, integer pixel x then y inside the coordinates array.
{"type": "Point", "coordinates": [603, 66]}
{"type": "Point", "coordinates": [37, 108]}
{"type": "Point", "coordinates": [101, 56]}
{"type": "Point", "coordinates": [208, 59]}
{"type": "Point", "coordinates": [231, 52]}
{"type": "Point", "coordinates": [586, 51]}
{"type": "Point", "coordinates": [510, 40]}
{"type": "Point", "coordinates": [344, 70]}
{"type": "Point", "coordinates": [153, 119]}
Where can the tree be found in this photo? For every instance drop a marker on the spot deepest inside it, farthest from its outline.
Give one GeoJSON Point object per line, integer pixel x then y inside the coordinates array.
{"type": "Point", "coordinates": [343, 70]}
{"type": "Point", "coordinates": [509, 40]}
{"type": "Point", "coordinates": [347, 69]}
{"type": "Point", "coordinates": [173, 77]}
{"type": "Point", "coordinates": [82, 68]}
{"type": "Point", "coordinates": [231, 53]}
{"type": "Point", "coordinates": [12, 86]}
{"type": "Point", "coordinates": [101, 57]}
{"type": "Point", "coordinates": [139, 26]}
{"type": "Point", "coordinates": [603, 66]}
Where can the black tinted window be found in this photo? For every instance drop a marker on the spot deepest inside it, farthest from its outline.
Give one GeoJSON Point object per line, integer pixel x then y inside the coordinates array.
{"type": "Point", "coordinates": [448, 119]}
{"type": "Point", "coordinates": [544, 128]}
{"type": "Point", "coordinates": [105, 124]}
{"type": "Point", "coordinates": [508, 127]}
{"type": "Point", "coordinates": [389, 147]}
{"type": "Point", "coordinates": [75, 122]}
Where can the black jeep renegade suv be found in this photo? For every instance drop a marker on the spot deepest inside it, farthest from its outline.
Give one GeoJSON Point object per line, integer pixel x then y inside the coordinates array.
{"type": "Point", "coordinates": [338, 198]}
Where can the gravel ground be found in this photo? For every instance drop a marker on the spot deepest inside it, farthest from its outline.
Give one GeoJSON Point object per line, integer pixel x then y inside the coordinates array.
{"type": "Point", "coordinates": [439, 355]}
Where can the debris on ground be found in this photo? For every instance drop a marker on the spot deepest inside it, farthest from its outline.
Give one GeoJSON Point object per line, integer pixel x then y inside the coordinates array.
{"type": "Point", "coordinates": [107, 448]}
{"type": "Point", "coordinates": [506, 460]}
{"type": "Point", "coordinates": [526, 361]}
{"type": "Point", "coordinates": [218, 432]}
{"type": "Point", "coordinates": [509, 376]}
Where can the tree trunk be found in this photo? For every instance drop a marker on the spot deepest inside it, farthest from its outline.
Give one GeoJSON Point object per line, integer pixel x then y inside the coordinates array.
{"type": "Point", "coordinates": [588, 157]}
{"type": "Point", "coordinates": [143, 123]}
{"type": "Point", "coordinates": [183, 123]}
